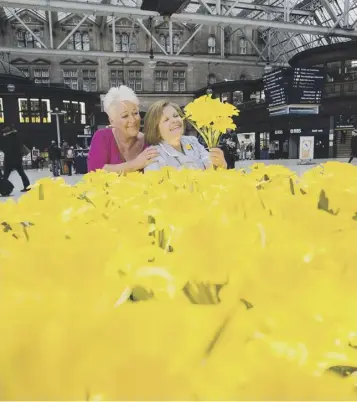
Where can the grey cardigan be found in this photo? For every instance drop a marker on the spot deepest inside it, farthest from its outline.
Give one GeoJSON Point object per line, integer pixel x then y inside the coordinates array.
{"type": "Point", "coordinates": [194, 155]}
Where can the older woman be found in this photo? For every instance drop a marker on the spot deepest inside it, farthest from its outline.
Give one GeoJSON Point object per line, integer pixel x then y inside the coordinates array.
{"type": "Point", "coordinates": [120, 148]}
{"type": "Point", "coordinates": [164, 128]}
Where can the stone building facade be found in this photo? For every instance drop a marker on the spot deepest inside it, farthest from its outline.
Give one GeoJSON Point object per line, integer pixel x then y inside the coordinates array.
{"type": "Point", "coordinates": [174, 80]}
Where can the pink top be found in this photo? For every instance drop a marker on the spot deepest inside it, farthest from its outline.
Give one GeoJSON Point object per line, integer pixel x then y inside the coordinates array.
{"type": "Point", "coordinates": [103, 150]}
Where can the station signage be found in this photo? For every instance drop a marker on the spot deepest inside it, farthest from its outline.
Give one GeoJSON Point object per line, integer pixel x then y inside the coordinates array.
{"type": "Point", "coordinates": [294, 86]}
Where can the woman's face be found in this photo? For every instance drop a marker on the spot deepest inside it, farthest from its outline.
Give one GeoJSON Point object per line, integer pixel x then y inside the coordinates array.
{"type": "Point", "coordinates": [171, 125]}
{"type": "Point", "coordinates": [126, 119]}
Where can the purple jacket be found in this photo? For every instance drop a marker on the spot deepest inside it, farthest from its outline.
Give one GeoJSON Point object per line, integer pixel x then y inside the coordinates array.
{"type": "Point", "coordinates": [103, 150]}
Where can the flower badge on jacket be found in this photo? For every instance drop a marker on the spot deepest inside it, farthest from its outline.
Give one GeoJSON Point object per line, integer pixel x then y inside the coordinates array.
{"type": "Point", "coordinates": [188, 147]}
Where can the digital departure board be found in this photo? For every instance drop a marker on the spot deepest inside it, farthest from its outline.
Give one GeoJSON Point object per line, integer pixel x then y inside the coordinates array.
{"type": "Point", "coordinates": [293, 86]}
{"type": "Point", "coordinates": [307, 86]}
{"type": "Point", "coordinates": [275, 88]}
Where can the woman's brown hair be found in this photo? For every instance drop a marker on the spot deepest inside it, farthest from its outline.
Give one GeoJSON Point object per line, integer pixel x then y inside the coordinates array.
{"type": "Point", "coordinates": [152, 121]}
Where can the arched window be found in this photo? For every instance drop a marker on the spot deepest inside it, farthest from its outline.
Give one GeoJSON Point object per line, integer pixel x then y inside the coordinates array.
{"type": "Point", "coordinates": [165, 42]}
{"type": "Point", "coordinates": [133, 43]}
{"type": "Point", "coordinates": [38, 35]}
{"type": "Point", "coordinates": [176, 43]}
{"type": "Point", "coordinates": [124, 42]}
{"type": "Point", "coordinates": [79, 41]}
{"type": "Point", "coordinates": [25, 39]}
{"type": "Point", "coordinates": [242, 46]}
{"type": "Point", "coordinates": [211, 44]}
{"type": "Point", "coordinates": [85, 41]}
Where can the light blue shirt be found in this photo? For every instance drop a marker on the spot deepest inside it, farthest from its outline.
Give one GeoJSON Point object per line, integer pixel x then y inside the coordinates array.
{"type": "Point", "coordinates": [194, 155]}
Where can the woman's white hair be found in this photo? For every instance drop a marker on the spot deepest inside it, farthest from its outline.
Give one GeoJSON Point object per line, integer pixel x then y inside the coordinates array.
{"type": "Point", "coordinates": [116, 95]}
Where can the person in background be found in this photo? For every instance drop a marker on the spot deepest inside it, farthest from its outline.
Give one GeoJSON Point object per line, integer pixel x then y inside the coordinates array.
{"type": "Point", "coordinates": [54, 155]}
{"type": "Point", "coordinates": [69, 160]}
{"type": "Point", "coordinates": [353, 146]}
{"type": "Point", "coordinates": [285, 150]}
{"type": "Point", "coordinates": [228, 144]}
{"type": "Point", "coordinates": [35, 154]}
{"type": "Point", "coordinates": [64, 167]}
{"type": "Point", "coordinates": [271, 150]}
{"type": "Point", "coordinates": [13, 148]}
{"type": "Point", "coordinates": [164, 128]}
{"type": "Point", "coordinates": [120, 148]}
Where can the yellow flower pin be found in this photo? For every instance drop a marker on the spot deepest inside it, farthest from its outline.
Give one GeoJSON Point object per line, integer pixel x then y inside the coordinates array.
{"type": "Point", "coordinates": [189, 147]}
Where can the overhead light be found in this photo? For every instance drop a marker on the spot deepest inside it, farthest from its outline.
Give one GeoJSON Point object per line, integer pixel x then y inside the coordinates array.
{"type": "Point", "coordinates": [152, 63]}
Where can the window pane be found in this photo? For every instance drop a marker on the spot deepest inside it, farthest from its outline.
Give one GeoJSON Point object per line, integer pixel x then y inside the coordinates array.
{"type": "Point", "coordinates": [175, 86]}
{"type": "Point", "coordinates": [78, 41]}
{"type": "Point", "coordinates": [133, 43]}
{"type": "Point", "coordinates": [138, 86]}
{"type": "Point", "coordinates": [158, 85]}
{"type": "Point", "coordinates": [182, 86]}
{"type": "Point", "coordinates": [85, 39]}
{"type": "Point", "coordinates": [165, 85]}
{"type": "Point", "coordinates": [86, 85]}
{"type": "Point", "coordinates": [124, 42]}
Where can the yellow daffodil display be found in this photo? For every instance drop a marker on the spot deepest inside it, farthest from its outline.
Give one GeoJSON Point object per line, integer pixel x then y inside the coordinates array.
{"type": "Point", "coordinates": [211, 118]}
{"type": "Point", "coordinates": [181, 285]}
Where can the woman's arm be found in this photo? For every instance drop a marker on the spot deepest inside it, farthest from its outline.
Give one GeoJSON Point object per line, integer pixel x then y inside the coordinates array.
{"type": "Point", "coordinates": [214, 156]}
{"type": "Point", "coordinates": [145, 159]}
{"type": "Point", "coordinates": [122, 168]}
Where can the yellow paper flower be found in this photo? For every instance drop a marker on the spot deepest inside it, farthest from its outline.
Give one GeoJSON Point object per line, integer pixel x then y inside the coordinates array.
{"type": "Point", "coordinates": [211, 118]}
{"type": "Point", "coordinates": [181, 285]}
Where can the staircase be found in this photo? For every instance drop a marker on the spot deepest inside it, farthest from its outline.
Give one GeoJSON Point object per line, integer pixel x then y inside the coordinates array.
{"type": "Point", "coordinates": [344, 147]}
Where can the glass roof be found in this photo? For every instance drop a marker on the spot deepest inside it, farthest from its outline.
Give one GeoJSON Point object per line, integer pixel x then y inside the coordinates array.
{"type": "Point", "coordinates": [283, 44]}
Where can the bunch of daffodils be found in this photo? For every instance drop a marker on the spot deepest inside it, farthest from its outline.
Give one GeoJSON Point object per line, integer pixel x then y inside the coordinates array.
{"type": "Point", "coordinates": [181, 285]}
{"type": "Point", "coordinates": [211, 118]}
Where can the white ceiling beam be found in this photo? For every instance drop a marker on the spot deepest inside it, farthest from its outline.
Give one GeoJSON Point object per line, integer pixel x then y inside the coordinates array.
{"type": "Point", "coordinates": [213, 20]}
{"type": "Point", "coordinates": [50, 29]}
{"type": "Point", "coordinates": [206, 6]}
{"type": "Point", "coordinates": [242, 5]}
{"type": "Point", "coordinates": [190, 39]}
{"type": "Point", "coordinates": [76, 7]}
{"type": "Point", "coordinates": [96, 8]}
{"type": "Point", "coordinates": [171, 38]}
{"type": "Point", "coordinates": [232, 7]}
{"type": "Point", "coordinates": [346, 9]}
{"type": "Point", "coordinates": [114, 37]}
{"type": "Point", "coordinates": [210, 20]}
{"type": "Point", "coordinates": [134, 56]}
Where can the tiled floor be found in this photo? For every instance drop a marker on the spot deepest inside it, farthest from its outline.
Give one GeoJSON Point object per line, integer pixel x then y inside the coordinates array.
{"type": "Point", "coordinates": [35, 175]}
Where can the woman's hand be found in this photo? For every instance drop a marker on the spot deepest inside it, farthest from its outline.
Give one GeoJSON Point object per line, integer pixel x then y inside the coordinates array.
{"type": "Point", "coordinates": [217, 158]}
{"type": "Point", "coordinates": [144, 159]}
